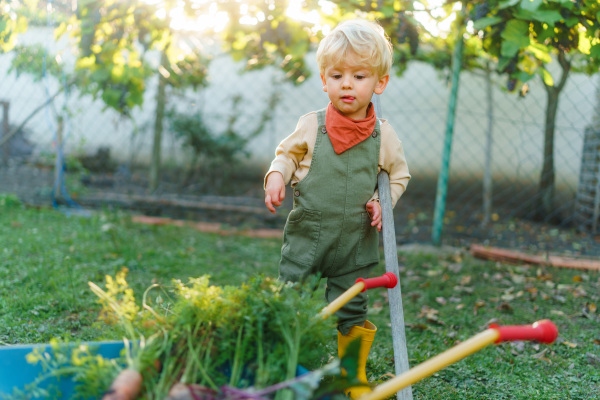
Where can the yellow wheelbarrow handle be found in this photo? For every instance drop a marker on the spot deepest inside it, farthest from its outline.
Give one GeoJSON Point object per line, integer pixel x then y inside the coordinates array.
{"type": "Point", "coordinates": [388, 280]}
{"type": "Point", "coordinates": [543, 331]}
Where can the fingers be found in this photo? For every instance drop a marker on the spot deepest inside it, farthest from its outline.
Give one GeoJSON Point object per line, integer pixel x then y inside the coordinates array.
{"type": "Point", "coordinates": [282, 193]}
{"type": "Point", "coordinates": [269, 204]}
{"type": "Point", "coordinates": [274, 191]}
{"type": "Point", "coordinates": [374, 210]}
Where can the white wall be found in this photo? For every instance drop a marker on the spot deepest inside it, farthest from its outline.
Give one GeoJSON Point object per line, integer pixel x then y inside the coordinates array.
{"type": "Point", "coordinates": [415, 104]}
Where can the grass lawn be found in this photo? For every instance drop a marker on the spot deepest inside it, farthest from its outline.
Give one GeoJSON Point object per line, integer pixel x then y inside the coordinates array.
{"type": "Point", "coordinates": [47, 258]}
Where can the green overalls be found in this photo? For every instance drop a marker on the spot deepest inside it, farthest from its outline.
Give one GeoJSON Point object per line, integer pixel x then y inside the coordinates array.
{"type": "Point", "coordinates": [329, 232]}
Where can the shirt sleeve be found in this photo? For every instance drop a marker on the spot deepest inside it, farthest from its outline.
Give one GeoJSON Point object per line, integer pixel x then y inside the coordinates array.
{"type": "Point", "coordinates": [393, 160]}
{"type": "Point", "coordinates": [290, 152]}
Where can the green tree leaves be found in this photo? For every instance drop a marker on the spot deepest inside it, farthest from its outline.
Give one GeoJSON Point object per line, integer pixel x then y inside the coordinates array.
{"type": "Point", "coordinates": [11, 24]}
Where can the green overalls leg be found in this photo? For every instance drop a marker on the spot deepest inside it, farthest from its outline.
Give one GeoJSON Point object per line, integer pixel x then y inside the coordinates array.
{"type": "Point", "coordinates": [329, 233]}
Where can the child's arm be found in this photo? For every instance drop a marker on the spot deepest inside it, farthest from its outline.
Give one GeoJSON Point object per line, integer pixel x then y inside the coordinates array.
{"type": "Point", "coordinates": [393, 160]}
{"type": "Point", "coordinates": [274, 190]}
{"type": "Point", "coordinates": [292, 150]}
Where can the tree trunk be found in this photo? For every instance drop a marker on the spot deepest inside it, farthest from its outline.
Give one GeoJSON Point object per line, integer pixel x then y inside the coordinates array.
{"type": "Point", "coordinates": [161, 102]}
{"type": "Point", "coordinates": [547, 179]}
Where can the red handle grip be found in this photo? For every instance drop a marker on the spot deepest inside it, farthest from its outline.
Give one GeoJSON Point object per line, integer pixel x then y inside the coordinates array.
{"type": "Point", "coordinates": [543, 331]}
{"type": "Point", "coordinates": [388, 280]}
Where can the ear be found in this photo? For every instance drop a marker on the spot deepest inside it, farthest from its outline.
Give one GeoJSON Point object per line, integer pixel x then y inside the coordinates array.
{"type": "Point", "coordinates": [381, 84]}
{"type": "Point", "coordinates": [324, 83]}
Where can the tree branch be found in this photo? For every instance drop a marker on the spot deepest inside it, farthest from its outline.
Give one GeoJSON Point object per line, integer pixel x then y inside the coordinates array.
{"type": "Point", "coordinates": [14, 131]}
{"type": "Point", "coordinates": [566, 67]}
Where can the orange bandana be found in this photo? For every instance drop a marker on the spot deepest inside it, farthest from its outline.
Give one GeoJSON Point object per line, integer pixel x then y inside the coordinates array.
{"type": "Point", "coordinates": [346, 132]}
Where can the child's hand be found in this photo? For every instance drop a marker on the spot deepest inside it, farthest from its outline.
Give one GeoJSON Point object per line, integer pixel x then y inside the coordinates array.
{"type": "Point", "coordinates": [374, 210]}
{"type": "Point", "coordinates": [274, 191]}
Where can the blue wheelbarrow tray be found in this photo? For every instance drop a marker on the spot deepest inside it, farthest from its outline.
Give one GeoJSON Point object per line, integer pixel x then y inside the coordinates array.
{"type": "Point", "coordinates": [16, 372]}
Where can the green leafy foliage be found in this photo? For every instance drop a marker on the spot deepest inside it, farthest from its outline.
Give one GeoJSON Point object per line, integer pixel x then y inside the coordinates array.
{"type": "Point", "coordinates": [212, 150]}
{"type": "Point", "coordinates": [11, 24]}
{"type": "Point", "coordinates": [35, 60]}
{"type": "Point", "coordinates": [526, 35]}
{"type": "Point", "coordinates": [254, 335]}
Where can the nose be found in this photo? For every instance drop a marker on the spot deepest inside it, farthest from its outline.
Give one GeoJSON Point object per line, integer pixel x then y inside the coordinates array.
{"type": "Point", "coordinates": [346, 82]}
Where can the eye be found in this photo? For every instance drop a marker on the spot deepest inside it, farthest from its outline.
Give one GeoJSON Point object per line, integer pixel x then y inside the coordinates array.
{"type": "Point", "coordinates": [359, 77]}
{"type": "Point", "coordinates": [336, 76]}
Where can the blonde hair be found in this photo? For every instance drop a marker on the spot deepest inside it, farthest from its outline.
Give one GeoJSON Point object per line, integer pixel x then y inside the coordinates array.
{"type": "Point", "coordinates": [365, 40]}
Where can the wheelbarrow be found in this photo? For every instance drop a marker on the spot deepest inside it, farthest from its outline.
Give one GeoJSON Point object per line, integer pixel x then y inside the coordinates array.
{"type": "Point", "coordinates": [16, 372]}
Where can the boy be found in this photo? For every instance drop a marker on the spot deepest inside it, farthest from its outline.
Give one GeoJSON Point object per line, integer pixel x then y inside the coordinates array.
{"type": "Point", "coordinates": [332, 160]}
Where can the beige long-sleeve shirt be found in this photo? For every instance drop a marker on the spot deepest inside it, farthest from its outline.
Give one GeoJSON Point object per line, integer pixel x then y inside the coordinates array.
{"type": "Point", "coordinates": [294, 154]}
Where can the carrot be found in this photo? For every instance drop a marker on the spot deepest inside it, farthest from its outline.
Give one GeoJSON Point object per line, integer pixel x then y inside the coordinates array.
{"type": "Point", "coordinates": [126, 386]}
{"type": "Point", "coordinates": [181, 391]}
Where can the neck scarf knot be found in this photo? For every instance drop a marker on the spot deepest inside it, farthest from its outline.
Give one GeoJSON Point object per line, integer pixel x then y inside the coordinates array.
{"type": "Point", "coordinates": [345, 132]}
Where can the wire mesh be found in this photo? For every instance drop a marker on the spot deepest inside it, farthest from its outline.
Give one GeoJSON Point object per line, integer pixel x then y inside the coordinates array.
{"type": "Point", "coordinates": [415, 103]}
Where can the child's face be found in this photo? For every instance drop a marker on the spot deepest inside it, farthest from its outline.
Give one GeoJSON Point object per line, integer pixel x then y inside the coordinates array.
{"type": "Point", "coordinates": [350, 87]}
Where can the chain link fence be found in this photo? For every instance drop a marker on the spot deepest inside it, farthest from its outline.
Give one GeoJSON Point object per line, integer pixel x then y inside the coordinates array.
{"type": "Point", "coordinates": [497, 146]}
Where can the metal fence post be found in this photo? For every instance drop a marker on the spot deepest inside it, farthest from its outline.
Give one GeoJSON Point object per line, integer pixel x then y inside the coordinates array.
{"type": "Point", "coordinates": [442, 184]}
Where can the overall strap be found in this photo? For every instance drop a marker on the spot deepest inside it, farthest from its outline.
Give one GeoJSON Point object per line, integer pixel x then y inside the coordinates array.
{"type": "Point", "coordinates": [321, 118]}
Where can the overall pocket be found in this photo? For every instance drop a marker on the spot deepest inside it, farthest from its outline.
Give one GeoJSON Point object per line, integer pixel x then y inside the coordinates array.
{"type": "Point", "coordinates": [367, 251]}
{"type": "Point", "coordinates": [301, 236]}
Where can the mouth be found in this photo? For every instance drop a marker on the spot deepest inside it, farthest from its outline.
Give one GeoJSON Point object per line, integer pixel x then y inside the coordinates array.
{"type": "Point", "coordinates": [347, 99]}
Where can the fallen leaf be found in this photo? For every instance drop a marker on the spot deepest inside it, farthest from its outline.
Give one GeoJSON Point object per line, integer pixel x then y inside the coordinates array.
{"type": "Point", "coordinates": [540, 354]}
{"type": "Point", "coordinates": [532, 290]}
{"type": "Point", "coordinates": [488, 323]}
{"type": "Point", "coordinates": [544, 277]}
{"type": "Point", "coordinates": [517, 347]}
{"type": "Point", "coordinates": [590, 308]}
{"type": "Point", "coordinates": [419, 327]}
{"type": "Point", "coordinates": [376, 307]}
{"type": "Point", "coordinates": [577, 278]}
{"type": "Point", "coordinates": [456, 267]}
{"type": "Point", "coordinates": [507, 297]}
{"type": "Point", "coordinates": [428, 312]}
{"type": "Point", "coordinates": [460, 306]}
{"type": "Point", "coordinates": [504, 306]}
{"type": "Point", "coordinates": [497, 276]}
{"type": "Point", "coordinates": [579, 292]}
{"type": "Point", "coordinates": [465, 280]}
{"type": "Point", "coordinates": [466, 289]}
{"type": "Point", "coordinates": [544, 296]}
{"type": "Point", "coordinates": [478, 305]}
{"type": "Point", "coordinates": [570, 344]}
{"type": "Point", "coordinates": [440, 300]}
